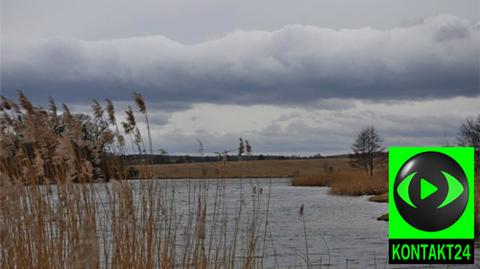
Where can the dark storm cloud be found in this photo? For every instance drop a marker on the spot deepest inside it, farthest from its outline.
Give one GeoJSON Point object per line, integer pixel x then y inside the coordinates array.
{"type": "Point", "coordinates": [436, 58]}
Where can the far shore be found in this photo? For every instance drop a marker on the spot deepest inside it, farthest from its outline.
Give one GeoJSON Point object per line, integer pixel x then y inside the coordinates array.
{"type": "Point", "coordinates": [244, 169]}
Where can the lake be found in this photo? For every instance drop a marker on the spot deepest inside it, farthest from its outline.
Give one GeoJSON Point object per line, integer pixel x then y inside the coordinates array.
{"type": "Point", "coordinates": [340, 231]}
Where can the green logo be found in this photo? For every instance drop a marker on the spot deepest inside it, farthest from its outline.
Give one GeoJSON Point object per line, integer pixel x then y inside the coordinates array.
{"type": "Point", "coordinates": [431, 198]}
{"type": "Point", "coordinates": [454, 189]}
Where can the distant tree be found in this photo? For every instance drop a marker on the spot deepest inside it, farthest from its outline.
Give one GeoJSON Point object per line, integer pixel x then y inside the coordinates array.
{"type": "Point", "coordinates": [368, 150]}
{"type": "Point", "coordinates": [248, 148]}
{"type": "Point", "coordinates": [163, 155]}
{"type": "Point", "coordinates": [469, 135]}
{"type": "Point", "coordinates": [241, 149]}
{"type": "Point", "coordinates": [261, 157]}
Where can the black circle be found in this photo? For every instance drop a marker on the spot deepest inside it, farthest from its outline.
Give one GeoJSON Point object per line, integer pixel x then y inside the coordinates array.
{"type": "Point", "coordinates": [426, 215]}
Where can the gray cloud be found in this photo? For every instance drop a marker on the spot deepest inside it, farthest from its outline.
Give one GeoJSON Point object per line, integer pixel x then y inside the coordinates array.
{"type": "Point", "coordinates": [193, 21]}
{"type": "Point", "coordinates": [435, 58]}
{"type": "Point", "coordinates": [308, 131]}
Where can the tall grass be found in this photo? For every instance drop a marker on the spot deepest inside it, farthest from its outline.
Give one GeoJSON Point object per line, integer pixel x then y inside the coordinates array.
{"type": "Point", "coordinates": [42, 146]}
{"type": "Point", "coordinates": [54, 215]}
{"type": "Point", "coordinates": [121, 224]}
{"type": "Point", "coordinates": [352, 182]}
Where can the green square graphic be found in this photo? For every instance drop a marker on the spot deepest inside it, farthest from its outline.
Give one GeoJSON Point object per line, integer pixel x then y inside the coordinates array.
{"type": "Point", "coordinates": [423, 207]}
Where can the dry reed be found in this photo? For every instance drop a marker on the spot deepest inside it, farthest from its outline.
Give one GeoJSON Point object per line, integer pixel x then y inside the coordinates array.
{"type": "Point", "coordinates": [54, 215]}
{"type": "Point", "coordinates": [353, 182]}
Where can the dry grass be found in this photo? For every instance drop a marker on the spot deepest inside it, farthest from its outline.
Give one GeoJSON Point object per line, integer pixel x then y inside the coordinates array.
{"type": "Point", "coordinates": [53, 216]}
{"type": "Point", "coordinates": [353, 182]}
{"type": "Point", "coordinates": [245, 169]}
{"type": "Point", "coordinates": [40, 146]}
{"type": "Point", "coordinates": [119, 225]}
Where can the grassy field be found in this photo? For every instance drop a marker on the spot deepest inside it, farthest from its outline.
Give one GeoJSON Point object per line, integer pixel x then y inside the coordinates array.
{"type": "Point", "coordinates": [255, 169]}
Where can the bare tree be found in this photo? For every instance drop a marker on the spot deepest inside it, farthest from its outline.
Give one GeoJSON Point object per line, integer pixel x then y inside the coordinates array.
{"type": "Point", "coordinates": [368, 150]}
{"type": "Point", "coordinates": [241, 149]}
{"type": "Point", "coordinates": [469, 135]}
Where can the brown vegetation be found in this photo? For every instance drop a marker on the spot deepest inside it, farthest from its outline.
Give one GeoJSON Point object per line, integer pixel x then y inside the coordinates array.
{"type": "Point", "coordinates": [353, 182]}
{"type": "Point", "coordinates": [53, 216]}
{"type": "Point", "coordinates": [41, 146]}
{"type": "Point", "coordinates": [246, 169]}
{"type": "Point", "coordinates": [120, 225]}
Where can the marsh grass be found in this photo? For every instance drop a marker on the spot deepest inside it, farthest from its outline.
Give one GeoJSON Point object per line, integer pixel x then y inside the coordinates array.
{"type": "Point", "coordinates": [124, 225]}
{"type": "Point", "coordinates": [352, 182]}
{"type": "Point", "coordinates": [245, 169]}
{"type": "Point", "coordinates": [65, 203]}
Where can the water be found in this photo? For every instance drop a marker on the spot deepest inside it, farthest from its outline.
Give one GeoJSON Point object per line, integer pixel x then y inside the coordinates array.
{"type": "Point", "coordinates": [337, 228]}
{"type": "Point", "coordinates": [341, 231]}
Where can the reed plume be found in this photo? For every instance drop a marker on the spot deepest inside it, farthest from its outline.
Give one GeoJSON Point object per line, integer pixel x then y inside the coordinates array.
{"type": "Point", "coordinates": [112, 119]}
{"type": "Point", "coordinates": [5, 103]}
{"type": "Point", "coordinates": [138, 98]}
{"type": "Point", "coordinates": [130, 128]}
{"type": "Point", "coordinates": [111, 113]}
{"type": "Point", "coordinates": [97, 110]}
{"type": "Point", "coordinates": [25, 102]}
{"type": "Point", "coordinates": [131, 123]}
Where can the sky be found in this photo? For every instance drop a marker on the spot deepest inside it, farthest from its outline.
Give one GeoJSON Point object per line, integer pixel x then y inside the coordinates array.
{"type": "Point", "coordinates": [291, 77]}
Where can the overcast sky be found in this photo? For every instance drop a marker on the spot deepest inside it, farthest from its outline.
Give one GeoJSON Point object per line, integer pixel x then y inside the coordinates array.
{"type": "Point", "coordinates": [292, 77]}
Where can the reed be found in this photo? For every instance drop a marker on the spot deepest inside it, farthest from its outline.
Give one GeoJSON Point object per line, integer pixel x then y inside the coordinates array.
{"type": "Point", "coordinates": [124, 224]}
{"type": "Point", "coordinates": [65, 203]}
{"type": "Point", "coordinates": [352, 182]}
{"type": "Point", "coordinates": [142, 107]}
